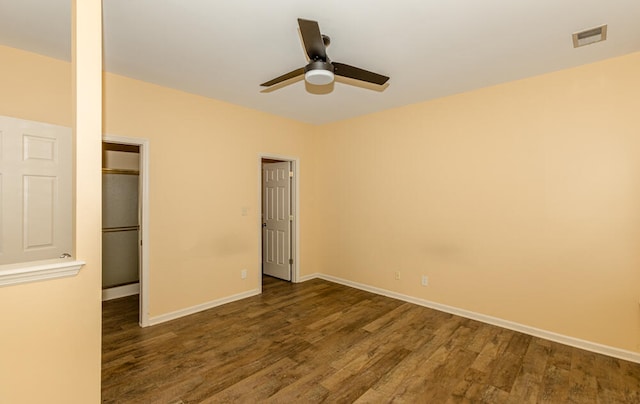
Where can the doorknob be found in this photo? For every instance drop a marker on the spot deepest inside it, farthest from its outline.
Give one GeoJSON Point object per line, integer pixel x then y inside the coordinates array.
{"type": "Point", "coordinates": [264, 225]}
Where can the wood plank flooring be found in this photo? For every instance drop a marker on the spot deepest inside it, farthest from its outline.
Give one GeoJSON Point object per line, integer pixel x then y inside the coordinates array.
{"type": "Point", "coordinates": [322, 342]}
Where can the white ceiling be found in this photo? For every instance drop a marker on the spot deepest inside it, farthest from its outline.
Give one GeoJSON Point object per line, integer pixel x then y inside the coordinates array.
{"type": "Point", "coordinates": [430, 49]}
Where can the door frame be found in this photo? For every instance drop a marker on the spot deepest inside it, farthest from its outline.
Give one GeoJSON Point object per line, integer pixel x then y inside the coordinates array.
{"type": "Point", "coordinates": [143, 319]}
{"type": "Point", "coordinates": [295, 204]}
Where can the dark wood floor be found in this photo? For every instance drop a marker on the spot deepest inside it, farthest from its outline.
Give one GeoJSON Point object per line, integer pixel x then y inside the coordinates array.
{"type": "Point", "coordinates": [319, 341]}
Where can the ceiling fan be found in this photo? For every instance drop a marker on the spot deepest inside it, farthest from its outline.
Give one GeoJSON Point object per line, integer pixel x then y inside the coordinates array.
{"type": "Point", "coordinates": [321, 70]}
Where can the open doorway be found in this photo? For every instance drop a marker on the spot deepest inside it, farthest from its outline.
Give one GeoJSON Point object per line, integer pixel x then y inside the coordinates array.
{"type": "Point", "coordinates": [125, 221]}
{"type": "Point", "coordinates": [120, 220]}
{"type": "Point", "coordinates": [279, 217]}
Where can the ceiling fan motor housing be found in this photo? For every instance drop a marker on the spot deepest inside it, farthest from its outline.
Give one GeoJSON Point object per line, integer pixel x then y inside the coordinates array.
{"type": "Point", "coordinates": [319, 73]}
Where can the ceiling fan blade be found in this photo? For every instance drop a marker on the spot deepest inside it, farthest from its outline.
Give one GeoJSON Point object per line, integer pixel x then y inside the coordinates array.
{"type": "Point", "coordinates": [340, 69]}
{"type": "Point", "coordinates": [313, 42]}
{"type": "Point", "coordinates": [290, 75]}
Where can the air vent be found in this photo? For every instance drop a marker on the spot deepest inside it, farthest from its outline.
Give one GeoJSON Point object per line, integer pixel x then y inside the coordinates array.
{"type": "Point", "coordinates": [589, 36]}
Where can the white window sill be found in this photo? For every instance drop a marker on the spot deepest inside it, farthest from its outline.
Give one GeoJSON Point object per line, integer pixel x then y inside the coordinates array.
{"type": "Point", "coordinates": [25, 272]}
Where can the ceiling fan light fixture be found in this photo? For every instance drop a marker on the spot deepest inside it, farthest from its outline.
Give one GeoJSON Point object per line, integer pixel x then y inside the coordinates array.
{"type": "Point", "coordinates": [319, 77]}
{"type": "Point", "coordinates": [319, 73]}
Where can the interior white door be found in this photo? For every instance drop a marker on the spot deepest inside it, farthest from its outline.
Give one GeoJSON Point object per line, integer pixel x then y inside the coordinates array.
{"type": "Point", "coordinates": [35, 190]}
{"type": "Point", "coordinates": [277, 219]}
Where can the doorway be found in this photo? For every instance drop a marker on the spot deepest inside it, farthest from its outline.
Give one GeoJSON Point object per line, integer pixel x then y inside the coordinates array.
{"type": "Point", "coordinates": [120, 220]}
{"type": "Point", "coordinates": [279, 219]}
{"type": "Point", "coordinates": [126, 220]}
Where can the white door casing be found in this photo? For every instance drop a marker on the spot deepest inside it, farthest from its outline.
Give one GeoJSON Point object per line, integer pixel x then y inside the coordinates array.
{"type": "Point", "coordinates": [35, 190]}
{"type": "Point", "coordinates": [276, 209]}
{"type": "Point", "coordinates": [143, 219]}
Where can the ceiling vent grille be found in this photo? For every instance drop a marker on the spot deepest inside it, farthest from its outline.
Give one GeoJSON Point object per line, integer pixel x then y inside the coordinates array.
{"type": "Point", "coordinates": [589, 36]}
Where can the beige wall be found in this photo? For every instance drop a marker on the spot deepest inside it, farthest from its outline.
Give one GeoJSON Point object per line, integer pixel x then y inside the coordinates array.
{"type": "Point", "coordinates": [50, 338]}
{"type": "Point", "coordinates": [35, 87]}
{"type": "Point", "coordinates": [85, 342]}
{"type": "Point", "coordinates": [50, 330]}
{"type": "Point", "coordinates": [519, 201]}
{"type": "Point", "coordinates": [204, 168]}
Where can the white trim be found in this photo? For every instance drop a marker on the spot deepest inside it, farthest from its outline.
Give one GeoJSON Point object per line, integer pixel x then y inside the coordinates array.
{"type": "Point", "coordinates": [120, 291]}
{"type": "Point", "coordinates": [201, 307]}
{"type": "Point", "coordinates": [25, 272]}
{"type": "Point", "coordinates": [144, 219]}
{"type": "Point", "coordinates": [309, 277]}
{"type": "Point", "coordinates": [525, 329]}
{"type": "Point", "coordinates": [295, 272]}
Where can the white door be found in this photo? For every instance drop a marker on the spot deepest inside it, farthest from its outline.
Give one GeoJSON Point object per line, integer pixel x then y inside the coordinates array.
{"type": "Point", "coordinates": [277, 219]}
{"type": "Point", "coordinates": [35, 189]}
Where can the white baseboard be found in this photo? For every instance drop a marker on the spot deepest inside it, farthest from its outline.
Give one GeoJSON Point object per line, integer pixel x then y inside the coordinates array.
{"type": "Point", "coordinates": [201, 307]}
{"type": "Point", "coordinates": [525, 329]}
{"type": "Point", "coordinates": [120, 291]}
{"type": "Point", "coordinates": [308, 277]}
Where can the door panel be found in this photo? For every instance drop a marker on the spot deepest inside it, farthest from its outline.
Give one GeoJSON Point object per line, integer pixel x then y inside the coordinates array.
{"type": "Point", "coordinates": [276, 211]}
{"type": "Point", "coordinates": [39, 211]}
{"type": "Point", "coordinates": [35, 190]}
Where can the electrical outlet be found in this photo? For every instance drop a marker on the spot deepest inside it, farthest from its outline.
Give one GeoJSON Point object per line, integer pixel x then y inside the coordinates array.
{"type": "Point", "coordinates": [397, 275]}
{"type": "Point", "coordinates": [425, 280]}
{"type": "Point", "coordinates": [243, 274]}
